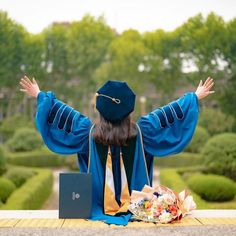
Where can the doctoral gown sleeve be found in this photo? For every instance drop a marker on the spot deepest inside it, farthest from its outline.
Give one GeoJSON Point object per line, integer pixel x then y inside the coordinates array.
{"type": "Point", "coordinates": [63, 129]}
{"type": "Point", "coordinates": [168, 129]}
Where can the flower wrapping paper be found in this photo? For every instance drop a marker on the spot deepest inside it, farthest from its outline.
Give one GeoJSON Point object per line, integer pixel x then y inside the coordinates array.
{"type": "Point", "coordinates": [160, 204]}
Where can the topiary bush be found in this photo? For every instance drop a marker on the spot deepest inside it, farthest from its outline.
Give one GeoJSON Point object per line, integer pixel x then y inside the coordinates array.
{"type": "Point", "coordinates": [41, 157]}
{"type": "Point", "coordinates": [18, 175]}
{"type": "Point", "coordinates": [24, 139]}
{"type": "Point", "coordinates": [11, 124]}
{"type": "Point", "coordinates": [182, 159]}
{"type": "Point", "coordinates": [215, 121]}
{"type": "Point", "coordinates": [219, 155]}
{"type": "Point", "coordinates": [212, 187]}
{"type": "Point", "coordinates": [2, 160]}
{"type": "Point", "coordinates": [33, 194]}
{"type": "Point", "coordinates": [6, 188]}
{"type": "Point", "coordinates": [198, 141]}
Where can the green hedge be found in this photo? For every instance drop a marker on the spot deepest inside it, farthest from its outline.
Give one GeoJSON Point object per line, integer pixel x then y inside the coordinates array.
{"type": "Point", "coordinates": [18, 175]}
{"type": "Point", "coordinates": [212, 187]}
{"type": "Point", "coordinates": [6, 188]}
{"type": "Point", "coordinates": [220, 155]}
{"type": "Point", "coordinates": [2, 159]}
{"type": "Point", "coordinates": [36, 158]}
{"type": "Point", "coordinates": [198, 141]}
{"type": "Point", "coordinates": [179, 160]}
{"type": "Point", "coordinates": [24, 139]}
{"type": "Point", "coordinates": [215, 121]}
{"type": "Point", "coordinates": [172, 179]}
{"type": "Point", "coordinates": [11, 124]}
{"type": "Point", "coordinates": [33, 193]}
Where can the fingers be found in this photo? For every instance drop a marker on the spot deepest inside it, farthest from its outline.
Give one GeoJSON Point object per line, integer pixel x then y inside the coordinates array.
{"type": "Point", "coordinates": [28, 80]}
{"type": "Point", "coordinates": [208, 82]}
{"type": "Point", "coordinates": [34, 81]}
{"type": "Point", "coordinates": [200, 84]}
{"type": "Point", "coordinates": [24, 85]}
{"type": "Point", "coordinates": [209, 86]}
{"type": "Point", "coordinates": [24, 82]}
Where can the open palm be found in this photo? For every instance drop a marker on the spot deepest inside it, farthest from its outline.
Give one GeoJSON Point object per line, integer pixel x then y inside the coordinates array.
{"type": "Point", "coordinates": [203, 90]}
{"type": "Point", "coordinates": [28, 87]}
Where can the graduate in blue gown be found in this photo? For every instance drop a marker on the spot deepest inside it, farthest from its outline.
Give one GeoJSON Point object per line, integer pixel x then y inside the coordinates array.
{"type": "Point", "coordinates": [118, 152]}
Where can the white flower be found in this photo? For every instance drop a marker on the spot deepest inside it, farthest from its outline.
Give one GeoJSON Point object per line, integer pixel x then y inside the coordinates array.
{"type": "Point", "coordinates": [165, 217]}
{"type": "Point", "coordinates": [168, 199]}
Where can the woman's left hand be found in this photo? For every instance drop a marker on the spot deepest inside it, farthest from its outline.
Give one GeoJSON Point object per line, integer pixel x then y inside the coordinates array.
{"type": "Point", "coordinates": [203, 90]}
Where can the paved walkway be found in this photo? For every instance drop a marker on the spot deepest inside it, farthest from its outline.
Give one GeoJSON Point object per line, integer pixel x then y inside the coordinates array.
{"type": "Point", "coordinates": [46, 222]}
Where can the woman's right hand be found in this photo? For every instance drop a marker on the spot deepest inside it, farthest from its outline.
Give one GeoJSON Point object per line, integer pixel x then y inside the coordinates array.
{"type": "Point", "coordinates": [28, 87]}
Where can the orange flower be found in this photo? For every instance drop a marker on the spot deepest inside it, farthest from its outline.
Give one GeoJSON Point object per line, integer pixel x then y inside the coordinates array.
{"type": "Point", "coordinates": [173, 209]}
{"type": "Point", "coordinates": [159, 208]}
{"type": "Point", "coordinates": [147, 204]}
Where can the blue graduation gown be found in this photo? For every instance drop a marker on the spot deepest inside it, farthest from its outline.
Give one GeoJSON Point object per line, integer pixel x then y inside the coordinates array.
{"type": "Point", "coordinates": [164, 131]}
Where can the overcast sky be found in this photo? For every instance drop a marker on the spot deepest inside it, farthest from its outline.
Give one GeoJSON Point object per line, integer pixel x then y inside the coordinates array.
{"type": "Point", "coordinates": [143, 15]}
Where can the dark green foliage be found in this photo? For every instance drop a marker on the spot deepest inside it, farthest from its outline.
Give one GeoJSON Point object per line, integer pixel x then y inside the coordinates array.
{"type": "Point", "coordinates": [2, 159]}
{"type": "Point", "coordinates": [198, 141]}
{"type": "Point", "coordinates": [38, 158]}
{"type": "Point", "coordinates": [24, 139]}
{"type": "Point", "coordinates": [212, 187]}
{"type": "Point", "coordinates": [215, 121]}
{"type": "Point", "coordinates": [11, 124]}
{"type": "Point", "coordinates": [220, 155]}
{"type": "Point", "coordinates": [179, 160]}
{"type": "Point", "coordinates": [74, 58]}
{"type": "Point", "coordinates": [18, 175]}
{"type": "Point", "coordinates": [174, 179]}
{"type": "Point", "coordinates": [6, 188]}
{"type": "Point", "coordinates": [33, 193]}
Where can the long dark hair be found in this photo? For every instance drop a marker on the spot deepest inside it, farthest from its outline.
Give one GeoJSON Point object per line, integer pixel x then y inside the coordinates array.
{"type": "Point", "coordinates": [117, 133]}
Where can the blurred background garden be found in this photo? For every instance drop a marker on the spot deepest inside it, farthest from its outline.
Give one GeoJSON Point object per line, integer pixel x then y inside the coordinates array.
{"type": "Point", "coordinates": [73, 58]}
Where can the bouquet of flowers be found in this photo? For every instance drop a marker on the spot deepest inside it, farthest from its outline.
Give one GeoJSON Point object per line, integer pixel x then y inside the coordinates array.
{"type": "Point", "coordinates": [160, 204]}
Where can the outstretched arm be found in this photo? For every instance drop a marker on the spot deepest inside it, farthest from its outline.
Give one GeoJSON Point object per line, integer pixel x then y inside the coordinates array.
{"type": "Point", "coordinates": [63, 129]}
{"type": "Point", "coordinates": [168, 129]}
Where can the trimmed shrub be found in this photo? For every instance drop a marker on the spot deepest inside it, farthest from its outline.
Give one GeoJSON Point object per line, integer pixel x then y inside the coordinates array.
{"type": "Point", "coordinates": [179, 160]}
{"type": "Point", "coordinates": [198, 141]}
{"type": "Point", "coordinates": [215, 121]}
{"type": "Point", "coordinates": [24, 139]}
{"type": "Point", "coordinates": [6, 188]}
{"type": "Point", "coordinates": [212, 187]}
{"type": "Point", "coordinates": [11, 124]}
{"type": "Point", "coordinates": [219, 155]}
{"type": "Point", "coordinates": [18, 175]}
{"type": "Point", "coordinates": [33, 193]}
{"type": "Point", "coordinates": [2, 160]}
{"type": "Point", "coordinates": [37, 158]}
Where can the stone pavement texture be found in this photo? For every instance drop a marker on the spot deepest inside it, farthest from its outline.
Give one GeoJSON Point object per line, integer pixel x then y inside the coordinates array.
{"type": "Point", "coordinates": [39, 222]}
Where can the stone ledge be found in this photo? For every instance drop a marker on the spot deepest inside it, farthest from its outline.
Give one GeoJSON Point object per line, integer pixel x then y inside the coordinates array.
{"type": "Point", "coordinates": [54, 214]}
{"type": "Point", "coordinates": [49, 219]}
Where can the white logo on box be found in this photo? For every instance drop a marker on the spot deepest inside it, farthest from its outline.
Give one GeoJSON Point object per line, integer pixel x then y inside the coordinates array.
{"type": "Point", "coordinates": [75, 195]}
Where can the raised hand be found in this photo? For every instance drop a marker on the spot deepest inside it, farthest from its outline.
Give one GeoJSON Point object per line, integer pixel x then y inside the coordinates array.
{"type": "Point", "coordinates": [28, 87]}
{"type": "Point", "coordinates": [203, 90]}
